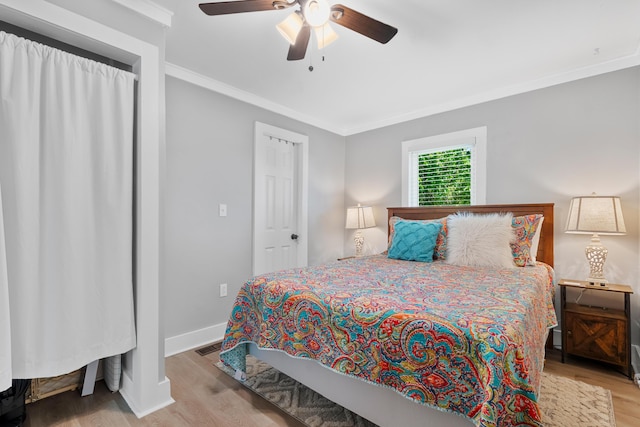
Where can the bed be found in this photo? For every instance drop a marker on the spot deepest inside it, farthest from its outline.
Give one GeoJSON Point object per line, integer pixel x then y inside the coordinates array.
{"type": "Point", "coordinates": [408, 343]}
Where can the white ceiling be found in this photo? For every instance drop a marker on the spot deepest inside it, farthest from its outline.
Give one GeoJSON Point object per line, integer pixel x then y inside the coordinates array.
{"type": "Point", "coordinates": [447, 54]}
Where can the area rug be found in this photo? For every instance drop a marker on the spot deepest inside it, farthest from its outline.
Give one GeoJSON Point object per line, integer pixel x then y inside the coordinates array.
{"type": "Point", "coordinates": [564, 402]}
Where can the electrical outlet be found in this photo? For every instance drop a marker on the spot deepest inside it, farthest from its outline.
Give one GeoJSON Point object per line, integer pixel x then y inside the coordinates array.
{"type": "Point", "coordinates": [223, 289]}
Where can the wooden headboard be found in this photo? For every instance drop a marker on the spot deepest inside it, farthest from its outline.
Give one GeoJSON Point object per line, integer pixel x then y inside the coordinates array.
{"type": "Point", "coordinates": [545, 249]}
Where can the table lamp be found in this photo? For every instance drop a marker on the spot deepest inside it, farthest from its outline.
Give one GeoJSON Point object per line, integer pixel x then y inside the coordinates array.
{"type": "Point", "coordinates": [359, 217]}
{"type": "Point", "coordinates": [596, 215]}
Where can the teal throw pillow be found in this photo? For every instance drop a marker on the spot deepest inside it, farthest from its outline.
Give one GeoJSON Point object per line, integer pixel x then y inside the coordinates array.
{"type": "Point", "coordinates": [414, 241]}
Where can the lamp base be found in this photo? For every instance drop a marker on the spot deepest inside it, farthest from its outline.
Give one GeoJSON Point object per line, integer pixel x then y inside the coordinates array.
{"type": "Point", "coordinates": [358, 240]}
{"type": "Point", "coordinates": [596, 255]}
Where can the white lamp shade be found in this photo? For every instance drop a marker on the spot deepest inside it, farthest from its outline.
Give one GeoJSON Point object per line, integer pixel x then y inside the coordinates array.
{"type": "Point", "coordinates": [325, 35]}
{"type": "Point", "coordinates": [360, 217]}
{"type": "Point", "coordinates": [595, 215]}
{"type": "Point", "coordinates": [290, 27]}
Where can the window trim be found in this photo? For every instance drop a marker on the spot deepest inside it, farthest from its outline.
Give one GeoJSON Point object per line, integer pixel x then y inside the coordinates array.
{"type": "Point", "coordinates": [475, 136]}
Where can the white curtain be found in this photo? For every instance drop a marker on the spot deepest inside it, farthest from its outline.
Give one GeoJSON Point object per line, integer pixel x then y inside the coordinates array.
{"type": "Point", "coordinates": [5, 326]}
{"type": "Point", "coordinates": [66, 159]}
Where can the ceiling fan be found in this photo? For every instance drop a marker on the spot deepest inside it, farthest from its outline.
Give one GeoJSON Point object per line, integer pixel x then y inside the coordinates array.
{"type": "Point", "coordinates": [316, 14]}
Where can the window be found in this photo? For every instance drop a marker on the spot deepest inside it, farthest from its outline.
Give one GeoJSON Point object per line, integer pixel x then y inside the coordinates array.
{"type": "Point", "coordinates": [448, 169]}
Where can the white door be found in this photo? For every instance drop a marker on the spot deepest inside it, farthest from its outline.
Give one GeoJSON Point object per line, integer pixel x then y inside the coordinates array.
{"type": "Point", "coordinates": [280, 195]}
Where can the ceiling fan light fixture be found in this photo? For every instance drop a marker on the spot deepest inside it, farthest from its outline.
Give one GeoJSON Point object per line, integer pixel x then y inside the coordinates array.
{"type": "Point", "coordinates": [290, 27]}
{"type": "Point", "coordinates": [325, 35]}
{"type": "Point", "coordinates": [296, 28]}
{"type": "Point", "coordinates": [316, 12]}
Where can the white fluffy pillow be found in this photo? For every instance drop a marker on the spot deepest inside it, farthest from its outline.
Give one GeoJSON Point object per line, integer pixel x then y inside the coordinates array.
{"type": "Point", "coordinates": [480, 240]}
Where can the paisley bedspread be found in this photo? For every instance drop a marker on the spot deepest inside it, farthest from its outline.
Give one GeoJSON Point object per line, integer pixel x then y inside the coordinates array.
{"type": "Point", "coordinates": [460, 339]}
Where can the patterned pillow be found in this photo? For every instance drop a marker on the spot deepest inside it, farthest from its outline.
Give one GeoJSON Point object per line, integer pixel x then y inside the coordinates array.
{"type": "Point", "coordinates": [536, 241]}
{"type": "Point", "coordinates": [440, 251]}
{"type": "Point", "coordinates": [526, 228]}
{"type": "Point", "coordinates": [414, 240]}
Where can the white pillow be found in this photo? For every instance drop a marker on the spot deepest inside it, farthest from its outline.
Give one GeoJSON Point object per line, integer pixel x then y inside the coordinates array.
{"type": "Point", "coordinates": [480, 240]}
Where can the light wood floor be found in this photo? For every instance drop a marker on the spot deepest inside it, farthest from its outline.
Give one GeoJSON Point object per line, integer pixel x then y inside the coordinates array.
{"type": "Point", "coordinates": [625, 394]}
{"type": "Point", "coordinates": [207, 397]}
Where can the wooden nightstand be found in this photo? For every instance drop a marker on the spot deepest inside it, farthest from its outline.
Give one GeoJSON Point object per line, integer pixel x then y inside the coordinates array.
{"type": "Point", "coordinates": [597, 333]}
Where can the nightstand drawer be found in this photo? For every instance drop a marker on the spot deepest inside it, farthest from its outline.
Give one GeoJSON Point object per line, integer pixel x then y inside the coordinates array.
{"type": "Point", "coordinates": [597, 337]}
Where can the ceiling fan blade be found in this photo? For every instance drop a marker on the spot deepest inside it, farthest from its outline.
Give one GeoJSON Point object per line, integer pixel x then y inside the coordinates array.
{"type": "Point", "coordinates": [356, 21]}
{"type": "Point", "coordinates": [299, 49]}
{"type": "Point", "coordinates": [227, 7]}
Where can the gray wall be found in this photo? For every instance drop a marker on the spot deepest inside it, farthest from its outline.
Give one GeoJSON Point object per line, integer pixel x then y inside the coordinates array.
{"type": "Point", "coordinates": [543, 146]}
{"type": "Point", "coordinates": [546, 145]}
{"type": "Point", "coordinates": [210, 161]}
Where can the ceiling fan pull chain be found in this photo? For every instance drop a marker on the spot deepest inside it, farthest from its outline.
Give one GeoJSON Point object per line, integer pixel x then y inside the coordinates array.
{"type": "Point", "coordinates": [323, 27]}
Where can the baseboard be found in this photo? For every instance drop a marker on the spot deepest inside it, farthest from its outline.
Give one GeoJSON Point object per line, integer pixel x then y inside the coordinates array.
{"type": "Point", "coordinates": [194, 339]}
{"type": "Point", "coordinates": [635, 362]}
{"type": "Point", "coordinates": [557, 338]}
{"type": "Point", "coordinates": [162, 391]}
{"type": "Point", "coordinates": [172, 345]}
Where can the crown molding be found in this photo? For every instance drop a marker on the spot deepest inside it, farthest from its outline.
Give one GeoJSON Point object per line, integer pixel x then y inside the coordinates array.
{"type": "Point", "coordinates": [149, 9]}
{"type": "Point", "coordinates": [503, 92]}
{"type": "Point", "coordinates": [553, 80]}
{"type": "Point", "coordinates": [205, 82]}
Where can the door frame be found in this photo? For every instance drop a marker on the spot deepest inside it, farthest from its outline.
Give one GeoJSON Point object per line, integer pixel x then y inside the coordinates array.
{"type": "Point", "coordinates": [302, 190]}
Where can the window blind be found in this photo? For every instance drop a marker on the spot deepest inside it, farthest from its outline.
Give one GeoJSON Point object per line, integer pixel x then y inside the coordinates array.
{"type": "Point", "coordinates": [441, 176]}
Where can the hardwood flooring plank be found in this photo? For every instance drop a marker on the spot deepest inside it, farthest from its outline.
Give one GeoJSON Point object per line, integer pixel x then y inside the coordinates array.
{"type": "Point", "coordinates": [624, 393]}
{"type": "Point", "coordinates": [205, 396]}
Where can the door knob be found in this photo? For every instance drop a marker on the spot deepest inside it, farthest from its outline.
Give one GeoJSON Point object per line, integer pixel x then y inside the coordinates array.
{"type": "Point", "coordinates": [294, 237]}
